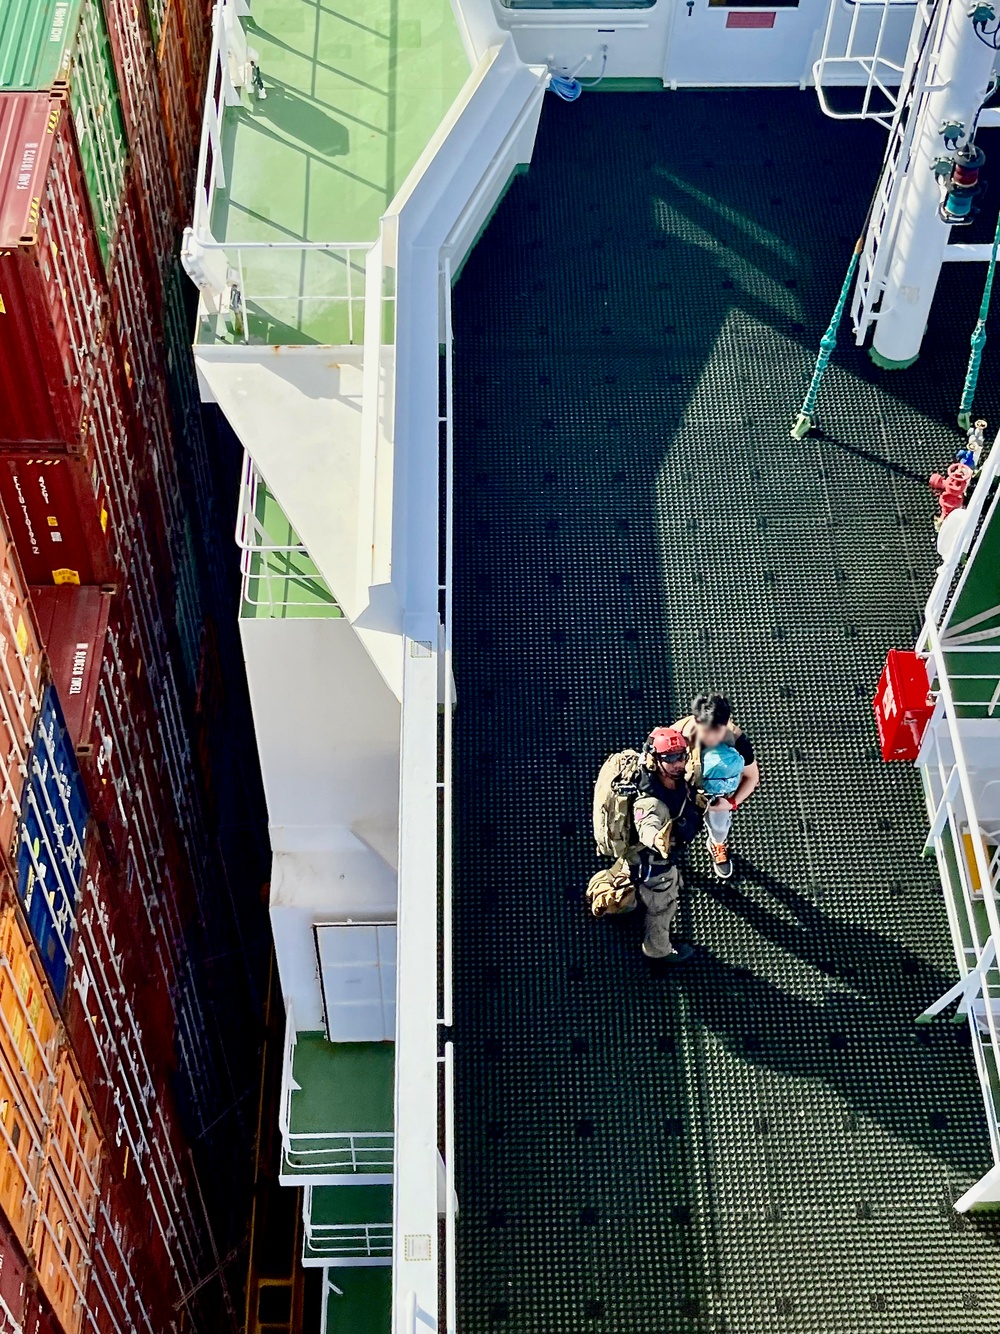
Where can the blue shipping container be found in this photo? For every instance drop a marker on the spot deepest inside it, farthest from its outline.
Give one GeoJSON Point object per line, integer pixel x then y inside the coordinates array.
{"type": "Point", "coordinates": [50, 856]}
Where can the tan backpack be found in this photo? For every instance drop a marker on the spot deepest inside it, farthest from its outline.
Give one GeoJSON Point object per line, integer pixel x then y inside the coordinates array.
{"type": "Point", "coordinates": [614, 794]}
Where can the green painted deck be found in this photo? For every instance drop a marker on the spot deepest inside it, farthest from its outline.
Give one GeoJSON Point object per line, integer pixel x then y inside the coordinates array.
{"type": "Point", "coordinates": [345, 1086]}
{"type": "Point", "coordinates": [336, 1206]}
{"type": "Point", "coordinates": [366, 1304]}
{"type": "Point", "coordinates": [341, 1116]}
{"type": "Point", "coordinates": [354, 93]}
{"type": "Point", "coordinates": [283, 585]}
{"type": "Point", "coordinates": [975, 676]}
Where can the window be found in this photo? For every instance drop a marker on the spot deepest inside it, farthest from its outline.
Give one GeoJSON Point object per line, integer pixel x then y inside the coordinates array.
{"type": "Point", "coordinates": [578, 4]}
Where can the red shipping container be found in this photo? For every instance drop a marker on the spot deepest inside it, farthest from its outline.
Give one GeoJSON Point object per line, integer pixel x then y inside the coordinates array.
{"type": "Point", "coordinates": [198, 36]}
{"type": "Point", "coordinates": [72, 624]}
{"type": "Point", "coordinates": [163, 210]}
{"type": "Point", "coordinates": [117, 738]}
{"type": "Point", "coordinates": [903, 705]}
{"type": "Point", "coordinates": [53, 306]}
{"type": "Point", "coordinates": [124, 1292]}
{"type": "Point", "coordinates": [136, 296]}
{"type": "Point", "coordinates": [124, 1069]}
{"type": "Point", "coordinates": [181, 104]}
{"type": "Point", "coordinates": [13, 1280]}
{"type": "Point", "coordinates": [59, 513]}
{"type": "Point", "coordinates": [139, 83]}
{"type": "Point", "coordinates": [38, 1314]}
{"type": "Point", "coordinates": [132, 53]}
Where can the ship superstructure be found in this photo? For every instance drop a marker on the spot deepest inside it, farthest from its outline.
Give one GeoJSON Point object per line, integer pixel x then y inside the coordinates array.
{"type": "Point", "coordinates": [599, 431]}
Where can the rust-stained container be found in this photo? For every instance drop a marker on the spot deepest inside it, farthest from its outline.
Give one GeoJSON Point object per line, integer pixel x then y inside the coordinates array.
{"type": "Point", "coordinates": [53, 306]}
{"type": "Point", "coordinates": [29, 1021]}
{"type": "Point", "coordinates": [181, 120]}
{"type": "Point", "coordinates": [20, 687]}
{"type": "Point", "coordinates": [72, 624]}
{"type": "Point", "coordinates": [67, 1197]}
{"type": "Point", "coordinates": [14, 1273]}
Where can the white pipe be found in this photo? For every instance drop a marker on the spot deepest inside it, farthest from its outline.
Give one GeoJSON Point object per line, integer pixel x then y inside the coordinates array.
{"type": "Point", "coordinates": [961, 83]}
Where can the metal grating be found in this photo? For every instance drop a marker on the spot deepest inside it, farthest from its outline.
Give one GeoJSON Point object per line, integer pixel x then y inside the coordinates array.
{"type": "Point", "coordinates": [764, 1141]}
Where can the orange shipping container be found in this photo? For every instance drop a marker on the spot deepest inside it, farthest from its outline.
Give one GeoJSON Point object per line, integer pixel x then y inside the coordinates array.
{"type": "Point", "coordinates": [29, 1021]}
{"type": "Point", "coordinates": [21, 1156]}
{"type": "Point", "coordinates": [67, 1198]}
{"type": "Point", "coordinates": [20, 681]}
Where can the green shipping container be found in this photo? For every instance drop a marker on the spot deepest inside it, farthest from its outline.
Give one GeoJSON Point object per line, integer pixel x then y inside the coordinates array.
{"type": "Point", "coordinates": [46, 44]}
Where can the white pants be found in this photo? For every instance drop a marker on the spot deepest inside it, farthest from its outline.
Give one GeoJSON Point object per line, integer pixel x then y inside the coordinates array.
{"type": "Point", "coordinates": [719, 820]}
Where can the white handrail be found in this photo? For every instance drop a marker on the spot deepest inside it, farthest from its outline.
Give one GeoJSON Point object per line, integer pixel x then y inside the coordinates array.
{"type": "Point", "coordinates": [447, 923]}
{"type": "Point", "coordinates": [451, 1202]}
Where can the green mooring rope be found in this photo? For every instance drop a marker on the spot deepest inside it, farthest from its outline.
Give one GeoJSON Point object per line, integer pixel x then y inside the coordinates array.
{"type": "Point", "coordinates": [828, 342]}
{"type": "Point", "coordinates": [978, 341]}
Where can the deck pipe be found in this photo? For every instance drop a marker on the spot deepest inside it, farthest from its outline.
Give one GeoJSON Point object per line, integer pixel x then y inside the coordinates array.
{"type": "Point", "coordinates": [961, 82]}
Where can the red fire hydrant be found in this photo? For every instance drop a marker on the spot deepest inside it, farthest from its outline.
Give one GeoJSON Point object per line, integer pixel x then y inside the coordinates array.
{"type": "Point", "coordinates": [951, 488]}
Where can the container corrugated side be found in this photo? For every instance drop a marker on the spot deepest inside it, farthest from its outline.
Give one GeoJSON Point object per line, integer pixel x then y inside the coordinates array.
{"type": "Point", "coordinates": [181, 120]}
{"type": "Point", "coordinates": [20, 687]}
{"type": "Point", "coordinates": [132, 52]}
{"type": "Point", "coordinates": [39, 1317]}
{"type": "Point", "coordinates": [29, 1020]}
{"type": "Point", "coordinates": [124, 1292]}
{"type": "Point", "coordinates": [35, 42]}
{"type": "Point", "coordinates": [53, 306]}
{"type": "Point", "coordinates": [73, 513]}
{"type": "Point", "coordinates": [67, 1198]}
{"type": "Point", "coordinates": [14, 1274]}
{"type": "Point", "coordinates": [72, 624]}
{"type": "Point", "coordinates": [100, 126]}
{"type": "Point", "coordinates": [59, 44]}
{"type": "Point", "coordinates": [51, 837]}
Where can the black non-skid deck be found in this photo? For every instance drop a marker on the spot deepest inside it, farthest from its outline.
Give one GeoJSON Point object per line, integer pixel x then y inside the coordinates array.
{"type": "Point", "coordinates": [764, 1141]}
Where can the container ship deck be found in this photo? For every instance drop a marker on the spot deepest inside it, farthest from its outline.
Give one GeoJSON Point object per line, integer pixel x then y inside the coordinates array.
{"type": "Point", "coordinates": [766, 1139]}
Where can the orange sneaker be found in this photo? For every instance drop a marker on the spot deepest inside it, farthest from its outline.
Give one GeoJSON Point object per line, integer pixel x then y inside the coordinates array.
{"type": "Point", "coordinates": [719, 854]}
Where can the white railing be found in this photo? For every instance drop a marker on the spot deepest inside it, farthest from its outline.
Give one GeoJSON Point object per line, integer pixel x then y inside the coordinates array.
{"type": "Point", "coordinates": [239, 279]}
{"type": "Point", "coordinates": [272, 573]}
{"type": "Point", "coordinates": [348, 1241]}
{"type": "Point", "coordinates": [447, 759]}
{"type": "Point", "coordinates": [861, 53]}
{"type": "Point", "coordinates": [966, 843]}
{"type": "Point", "coordinates": [335, 1151]}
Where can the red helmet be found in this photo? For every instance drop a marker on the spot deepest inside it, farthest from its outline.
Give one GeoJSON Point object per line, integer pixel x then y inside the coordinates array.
{"type": "Point", "coordinates": [664, 741]}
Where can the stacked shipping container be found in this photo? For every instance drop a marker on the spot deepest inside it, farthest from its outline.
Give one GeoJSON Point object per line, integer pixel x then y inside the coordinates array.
{"type": "Point", "coordinates": [128, 941]}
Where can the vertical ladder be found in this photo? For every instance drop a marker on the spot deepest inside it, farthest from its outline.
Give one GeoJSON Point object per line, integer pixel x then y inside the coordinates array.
{"type": "Point", "coordinates": [883, 222]}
